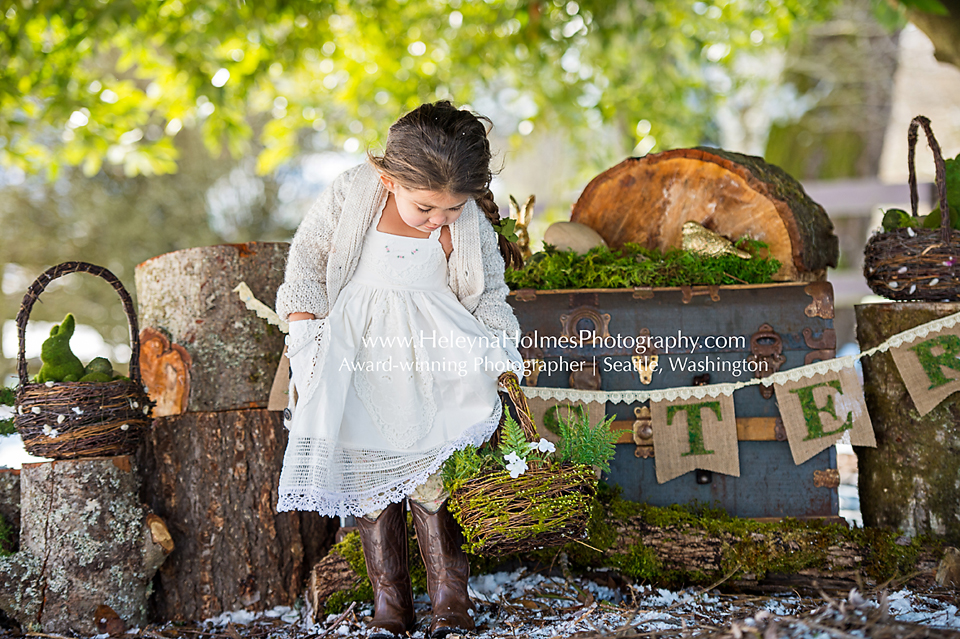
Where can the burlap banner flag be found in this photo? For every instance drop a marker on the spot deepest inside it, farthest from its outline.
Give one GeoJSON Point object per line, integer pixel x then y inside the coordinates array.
{"type": "Point", "coordinates": [546, 414]}
{"type": "Point", "coordinates": [817, 411]}
{"type": "Point", "coordinates": [930, 367]}
{"type": "Point", "coordinates": [695, 433]}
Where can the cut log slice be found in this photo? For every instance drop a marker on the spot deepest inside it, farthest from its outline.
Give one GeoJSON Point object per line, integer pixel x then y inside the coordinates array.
{"type": "Point", "coordinates": [647, 201]}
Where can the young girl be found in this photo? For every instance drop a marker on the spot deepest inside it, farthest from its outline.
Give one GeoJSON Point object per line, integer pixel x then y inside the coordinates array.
{"type": "Point", "coordinates": [399, 328]}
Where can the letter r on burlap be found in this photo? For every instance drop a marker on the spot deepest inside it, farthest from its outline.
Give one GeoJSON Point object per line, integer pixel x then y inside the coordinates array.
{"type": "Point", "coordinates": [930, 367]}
{"type": "Point", "coordinates": [695, 433]}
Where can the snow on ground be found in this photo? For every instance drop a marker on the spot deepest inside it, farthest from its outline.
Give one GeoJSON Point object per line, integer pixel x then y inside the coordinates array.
{"type": "Point", "coordinates": [534, 606]}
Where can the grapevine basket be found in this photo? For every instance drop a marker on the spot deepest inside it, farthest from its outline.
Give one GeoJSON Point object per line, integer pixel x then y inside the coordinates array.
{"type": "Point", "coordinates": [917, 264]}
{"type": "Point", "coordinates": [546, 506]}
{"type": "Point", "coordinates": [91, 419]}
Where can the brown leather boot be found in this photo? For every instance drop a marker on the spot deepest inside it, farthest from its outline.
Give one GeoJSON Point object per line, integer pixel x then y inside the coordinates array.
{"type": "Point", "coordinates": [448, 570]}
{"type": "Point", "coordinates": [385, 551]}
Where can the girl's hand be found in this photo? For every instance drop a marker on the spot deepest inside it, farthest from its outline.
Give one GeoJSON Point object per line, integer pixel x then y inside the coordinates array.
{"type": "Point", "coordinates": [293, 317]}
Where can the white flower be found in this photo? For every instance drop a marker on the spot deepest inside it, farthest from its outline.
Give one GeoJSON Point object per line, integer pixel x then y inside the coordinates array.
{"type": "Point", "coordinates": [35, 410]}
{"type": "Point", "coordinates": [77, 410]}
{"type": "Point", "coordinates": [517, 465]}
{"type": "Point", "coordinates": [60, 418]}
{"type": "Point", "coordinates": [543, 446]}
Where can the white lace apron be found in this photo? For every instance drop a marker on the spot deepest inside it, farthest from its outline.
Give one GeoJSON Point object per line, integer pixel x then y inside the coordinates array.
{"type": "Point", "coordinates": [397, 377]}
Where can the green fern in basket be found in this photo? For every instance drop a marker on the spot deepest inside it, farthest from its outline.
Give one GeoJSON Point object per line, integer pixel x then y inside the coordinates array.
{"type": "Point", "coordinates": [513, 440]}
{"type": "Point", "coordinates": [582, 444]}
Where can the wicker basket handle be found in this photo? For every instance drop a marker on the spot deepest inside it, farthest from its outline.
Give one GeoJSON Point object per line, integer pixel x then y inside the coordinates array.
{"type": "Point", "coordinates": [941, 170]}
{"type": "Point", "coordinates": [511, 384]}
{"type": "Point", "coordinates": [38, 286]}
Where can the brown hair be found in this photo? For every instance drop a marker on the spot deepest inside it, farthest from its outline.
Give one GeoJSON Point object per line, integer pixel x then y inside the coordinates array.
{"type": "Point", "coordinates": [438, 147]}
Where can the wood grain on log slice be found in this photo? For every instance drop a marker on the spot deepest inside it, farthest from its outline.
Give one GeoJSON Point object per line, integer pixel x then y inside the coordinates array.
{"type": "Point", "coordinates": [188, 296]}
{"type": "Point", "coordinates": [647, 201]}
{"type": "Point", "coordinates": [329, 575]}
{"type": "Point", "coordinates": [165, 368]}
{"type": "Point", "coordinates": [213, 478]}
{"type": "Point", "coordinates": [85, 542]}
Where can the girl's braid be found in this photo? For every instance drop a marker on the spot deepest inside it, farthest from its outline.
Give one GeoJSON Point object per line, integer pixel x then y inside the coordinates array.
{"type": "Point", "coordinates": [512, 257]}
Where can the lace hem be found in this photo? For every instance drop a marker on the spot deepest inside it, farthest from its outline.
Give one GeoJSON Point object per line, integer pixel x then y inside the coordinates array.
{"type": "Point", "coordinates": [331, 504]}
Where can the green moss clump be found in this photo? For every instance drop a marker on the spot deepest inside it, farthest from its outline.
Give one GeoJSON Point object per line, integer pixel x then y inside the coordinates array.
{"type": "Point", "coordinates": [7, 398]}
{"type": "Point", "coordinates": [634, 265]}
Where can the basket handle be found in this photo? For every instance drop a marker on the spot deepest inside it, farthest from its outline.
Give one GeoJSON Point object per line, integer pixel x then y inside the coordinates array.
{"type": "Point", "coordinates": [509, 381]}
{"type": "Point", "coordinates": [941, 170]}
{"type": "Point", "coordinates": [66, 268]}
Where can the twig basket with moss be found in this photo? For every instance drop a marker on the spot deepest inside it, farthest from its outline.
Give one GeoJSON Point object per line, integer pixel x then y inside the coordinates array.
{"type": "Point", "coordinates": [915, 259]}
{"type": "Point", "coordinates": [523, 494]}
{"type": "Point", "coordinates": [65, 420]}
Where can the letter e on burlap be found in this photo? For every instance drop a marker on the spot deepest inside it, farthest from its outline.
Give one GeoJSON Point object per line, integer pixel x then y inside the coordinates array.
{"type": "Point", "coordinates": [816, 412]}
{"type": "Point", "coordinates": [695, 433]}
{"type": "Point", "coordinates": [930, 367]}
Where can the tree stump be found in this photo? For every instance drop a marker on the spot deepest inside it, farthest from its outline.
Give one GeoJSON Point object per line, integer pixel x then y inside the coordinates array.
{"type": "Point", "coordinates": [911, 480]}
{"type": "Point", "coordinates": [188, 297]}
{"type": "Point", "coordinates": [647, 200]}
{"type": "Point", "coordinates": [86, 542]}
{"type": "Point", "coordinates": [212, 463]}
{"type": "Point", "coordinates": [213, 477]}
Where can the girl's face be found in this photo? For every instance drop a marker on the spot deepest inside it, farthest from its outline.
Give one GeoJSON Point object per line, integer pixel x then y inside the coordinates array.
{"type": "Point", "coordinates": [426, 210]}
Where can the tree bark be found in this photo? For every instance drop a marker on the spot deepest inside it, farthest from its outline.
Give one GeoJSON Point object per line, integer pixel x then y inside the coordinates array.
{"type": "Point", "coordinates": [86, 541]}
{"type": "Point", "coordinates": [943, 31]}
{"type": "Point", "coordinates": [188, 296]}
{"type": "Point", "coordinates": [647, 200]}
{"type": "Point", "coordinates": [213, 477]}
{"type": "Point", "coordinates": [911, 480]}
{"type": "Point", "coordinates": [10, 505]}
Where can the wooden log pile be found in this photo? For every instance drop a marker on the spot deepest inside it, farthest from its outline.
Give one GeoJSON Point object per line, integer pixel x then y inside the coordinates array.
{"type": "Point", "coordinates": [212, 460]}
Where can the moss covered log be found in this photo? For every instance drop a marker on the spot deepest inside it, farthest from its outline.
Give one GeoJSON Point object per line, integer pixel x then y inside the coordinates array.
{"type": "Point", "coordinates": [911, 480]}
{"type": "Point", "coordinates": [679, 546]}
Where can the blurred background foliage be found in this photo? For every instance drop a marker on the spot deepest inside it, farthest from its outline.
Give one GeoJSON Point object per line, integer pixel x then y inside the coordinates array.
{"type": "Point", "coordinates": [131, 128]}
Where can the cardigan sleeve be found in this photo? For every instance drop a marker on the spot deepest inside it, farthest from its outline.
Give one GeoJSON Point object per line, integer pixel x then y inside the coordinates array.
{"type": "Point", "coordinates": [304, 285]}
{"type": "Point", "coordinates": [492, 309]}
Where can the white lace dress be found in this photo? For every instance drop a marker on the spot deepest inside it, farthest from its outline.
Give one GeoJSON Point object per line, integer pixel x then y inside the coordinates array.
{"type": "Point", "coordinates": [390, 383]}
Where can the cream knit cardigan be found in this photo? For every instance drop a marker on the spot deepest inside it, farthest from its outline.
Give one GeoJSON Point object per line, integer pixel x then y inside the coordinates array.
{"type": "Point", "coordinates": [326, 248]}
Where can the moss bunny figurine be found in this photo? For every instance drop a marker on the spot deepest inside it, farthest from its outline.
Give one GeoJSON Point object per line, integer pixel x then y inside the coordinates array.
{"type": "Point", "coordinates": [98, 370]}
{"type": "Point", "coordinates": [59, 362]}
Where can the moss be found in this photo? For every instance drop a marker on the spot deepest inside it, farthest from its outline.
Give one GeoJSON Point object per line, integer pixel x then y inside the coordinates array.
{"type": "Point", "coordinates": [747, 547]}
{"type": "Point", "coordinates": [351, 549]}
{"type": "Point", "coordinates": [7, 537]}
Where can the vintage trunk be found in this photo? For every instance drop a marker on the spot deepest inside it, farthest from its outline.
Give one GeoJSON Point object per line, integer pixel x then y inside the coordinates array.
{"type": "Point", "coordinates": [789, 323]}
